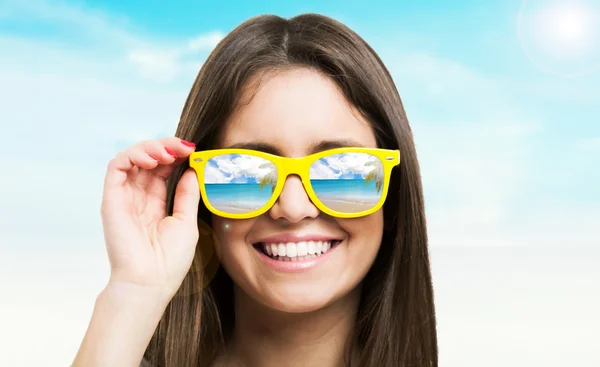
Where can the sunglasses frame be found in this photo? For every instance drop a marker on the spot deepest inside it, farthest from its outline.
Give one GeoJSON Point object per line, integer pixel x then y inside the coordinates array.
{"type": "Point", "coordinates": [294, 166]}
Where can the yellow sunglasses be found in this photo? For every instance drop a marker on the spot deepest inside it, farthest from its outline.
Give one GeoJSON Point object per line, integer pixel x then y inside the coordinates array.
{"type": "Point", "coordinates": [341, 182]}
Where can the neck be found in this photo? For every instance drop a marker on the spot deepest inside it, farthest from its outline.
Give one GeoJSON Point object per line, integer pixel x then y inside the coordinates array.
{"type": "Point", "coordinates": [266, 337]}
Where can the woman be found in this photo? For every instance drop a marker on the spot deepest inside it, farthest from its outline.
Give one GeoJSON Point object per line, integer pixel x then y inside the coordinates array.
{"type": "Point", "coordinates": [294, 164]}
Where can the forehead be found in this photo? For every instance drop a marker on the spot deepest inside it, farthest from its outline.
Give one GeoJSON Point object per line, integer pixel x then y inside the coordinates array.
{"type": "Point", "coordinates": [295, 110]}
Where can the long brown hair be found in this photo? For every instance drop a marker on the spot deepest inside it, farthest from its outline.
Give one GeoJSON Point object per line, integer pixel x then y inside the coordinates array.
{"type": "Point", "coordinates": [396, 319]}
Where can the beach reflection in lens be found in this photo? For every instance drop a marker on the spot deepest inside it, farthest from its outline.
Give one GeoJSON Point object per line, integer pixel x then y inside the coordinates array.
{"type": "Point", "coordinates": [348, 182]}
{"type": "Point", "coordinates": [239, 183]}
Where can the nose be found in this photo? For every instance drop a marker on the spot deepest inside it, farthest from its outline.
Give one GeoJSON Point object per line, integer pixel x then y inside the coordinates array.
{"type": "Point", "coordinates": [293, 203]}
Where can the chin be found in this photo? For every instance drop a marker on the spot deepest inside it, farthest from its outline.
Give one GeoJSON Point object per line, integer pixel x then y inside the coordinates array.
{"type": "Point", "coordinates": [296, 302]}
{"type": "Point", "coordinates": [300, 297]}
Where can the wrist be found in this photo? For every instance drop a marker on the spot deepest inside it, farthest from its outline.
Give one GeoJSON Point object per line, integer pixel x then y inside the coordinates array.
{"type": "Point", "coordinates": [129, 293]}
{"type": "Point", "coordinates": [124, 319]}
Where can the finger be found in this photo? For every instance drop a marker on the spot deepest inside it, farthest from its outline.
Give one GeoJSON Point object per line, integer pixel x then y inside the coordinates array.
{"type": "Point", "coordinates": [157, 191]}
{"type": "Point", "coordinates": [179, 146]}
{"type": "Point", "coordinates": [168, 151]}
{"type": "Point", "coordinates": [157, 151]}
{"type": "Point", "coordinates": [124, 164]}
{"type": "Point", "coordinates": [156, 187]}
{"type": "Point", "coordinates": [132, 174]}
{"type": "Point", "coordinates": [187, 198]}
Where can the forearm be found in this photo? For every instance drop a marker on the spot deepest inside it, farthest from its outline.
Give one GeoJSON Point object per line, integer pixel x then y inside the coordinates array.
{"type": "Point", "coordinates": [121, 326]}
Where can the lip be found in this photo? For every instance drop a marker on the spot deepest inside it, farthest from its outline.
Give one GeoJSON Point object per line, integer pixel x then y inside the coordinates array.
{"type": "Point", "coordinates": [297, 266]}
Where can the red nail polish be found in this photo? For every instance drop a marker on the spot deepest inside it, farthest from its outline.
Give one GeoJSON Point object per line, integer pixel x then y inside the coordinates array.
{"type": "Point", "coordinates": [153, 157]}
{"type": "Point", "coordinates": [171, 152]}
{"type": "Point", "coordinates": [188, 143]}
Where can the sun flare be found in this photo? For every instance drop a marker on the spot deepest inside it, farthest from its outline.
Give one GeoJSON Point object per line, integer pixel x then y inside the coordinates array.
{"type": "Point", "coordinates": [561, 36]}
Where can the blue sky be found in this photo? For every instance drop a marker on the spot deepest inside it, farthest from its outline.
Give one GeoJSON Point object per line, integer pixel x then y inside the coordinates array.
{"type": "Point", "coordinates": [509, 144]}
{"type": "Point", "coordinates": [496, 131]}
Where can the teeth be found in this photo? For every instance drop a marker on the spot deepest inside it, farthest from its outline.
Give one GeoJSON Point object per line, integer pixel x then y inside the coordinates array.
{"type": "Point", "coordinates": [290, 250]}
{"type": "Point", "coordinates": [311, 248]}
{"type": "Point", "coordinates": [301, 249]}
{"type": "Point", "coordinates": [296, 251]}
{"type": "Point", "coordinates": [281, 249]}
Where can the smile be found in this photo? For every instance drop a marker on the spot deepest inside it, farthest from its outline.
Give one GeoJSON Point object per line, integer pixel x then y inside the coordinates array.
{"type": "Point", "coordinates": [296, 251]}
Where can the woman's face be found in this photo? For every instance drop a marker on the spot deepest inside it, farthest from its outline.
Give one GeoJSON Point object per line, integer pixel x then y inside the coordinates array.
{"type": "Point", "coordinates": [293, 112]}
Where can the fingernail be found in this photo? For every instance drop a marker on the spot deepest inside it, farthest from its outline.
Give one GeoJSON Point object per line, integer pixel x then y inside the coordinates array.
{"type": "Point", "coordinates": [172, 153]}
{"type": "Point", "coordinates": [153, 157]}
{"type": "Point", "coordinates": [188, 143]}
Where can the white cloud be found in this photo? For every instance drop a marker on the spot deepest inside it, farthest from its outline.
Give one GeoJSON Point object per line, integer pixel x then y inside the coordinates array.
{"type": "Point", "coordinates": [590, 145]}
{"type": "Point", "coordinates": [162, 66]}
{"type": "Point", "coordinates": [165, 64]}
{"type": "Point", "coordinates": [80, 20]}
{"type": "Point", "coordinates": [214, 175]}
{"type": "Point", "coordinates": [92, 30]}
{"type": "Point", "coordinates": [229, 169]}
{"type": "Point", "coordinates": [320, 170]}
{"type": "Point", "coordinates": [344, 164]}
{"type": "Point", "coordinates": [204, 42]}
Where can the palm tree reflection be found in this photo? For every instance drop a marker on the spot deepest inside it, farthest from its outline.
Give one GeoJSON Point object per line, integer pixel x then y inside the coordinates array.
{"type": "Point", "coordinates": [376, 174]}
{"type": "Point", "coordinates": [271, 177]}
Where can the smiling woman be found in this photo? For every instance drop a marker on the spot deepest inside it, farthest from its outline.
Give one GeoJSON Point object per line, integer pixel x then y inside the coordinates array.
{"type": "Point", "coordinates": [294, 150]}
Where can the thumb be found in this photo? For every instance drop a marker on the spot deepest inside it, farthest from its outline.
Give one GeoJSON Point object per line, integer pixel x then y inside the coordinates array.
{"type": "Point", "coordinates": [187, 197]}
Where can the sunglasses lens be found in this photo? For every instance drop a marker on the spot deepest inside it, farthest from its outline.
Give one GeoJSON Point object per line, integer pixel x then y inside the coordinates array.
{"type": "Point", "coordinates": [348, 182]}
{"type": "Point", "coordinates": [239, 183]}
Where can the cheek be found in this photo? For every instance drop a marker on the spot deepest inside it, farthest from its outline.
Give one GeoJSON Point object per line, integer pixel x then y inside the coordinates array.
{"type": "Point", "coordinates": [231, 234]}
{"type": "Point", "coordinates": [364, 241]}
{"type": "Point", "coordinates": [366, 231]}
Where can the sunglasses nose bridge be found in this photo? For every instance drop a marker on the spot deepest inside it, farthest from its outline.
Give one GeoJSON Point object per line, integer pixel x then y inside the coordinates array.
{"type": "Point", "coordinates": [293, 167]}
{"type": "Point", "coordinates": [297, 167]}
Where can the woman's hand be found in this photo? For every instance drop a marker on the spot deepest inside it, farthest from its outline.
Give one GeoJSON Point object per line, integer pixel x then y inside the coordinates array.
{"type": "Point", "coordinates": [148, 249]}
{"type": "Point", "coordinates": [150, 253]}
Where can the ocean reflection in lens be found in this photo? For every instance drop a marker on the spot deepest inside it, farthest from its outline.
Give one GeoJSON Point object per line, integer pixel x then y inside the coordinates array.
{"type": "Point", "coordinates": [239, 183]}
{"type": "Point", "coordinates": [348, 182]}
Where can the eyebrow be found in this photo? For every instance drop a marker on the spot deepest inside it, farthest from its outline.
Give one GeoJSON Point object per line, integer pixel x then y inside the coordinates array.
{"type": "Point", "coordinates": [314, 148]}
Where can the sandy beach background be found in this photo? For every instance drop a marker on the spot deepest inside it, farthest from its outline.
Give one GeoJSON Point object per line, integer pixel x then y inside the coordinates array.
{"type": "Point", "coordinates": [496, 306]}
{"type": "Point", "coordinates": [346, 206]}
